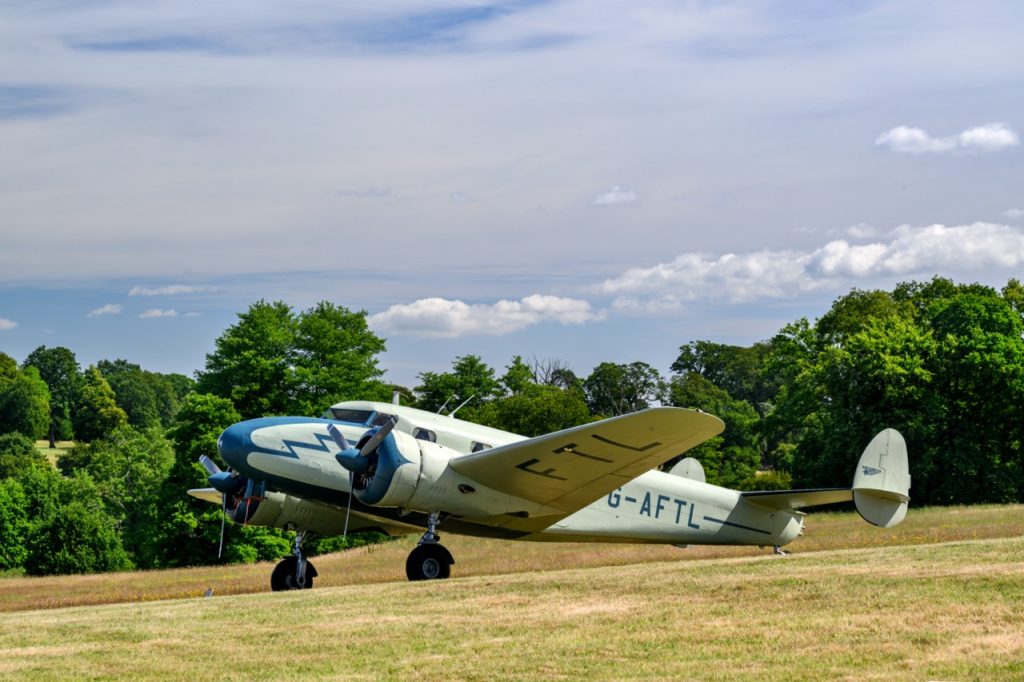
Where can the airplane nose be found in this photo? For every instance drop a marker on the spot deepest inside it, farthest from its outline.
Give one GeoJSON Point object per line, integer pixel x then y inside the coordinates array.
{"type": "Point", "coordinates": [233, 445]}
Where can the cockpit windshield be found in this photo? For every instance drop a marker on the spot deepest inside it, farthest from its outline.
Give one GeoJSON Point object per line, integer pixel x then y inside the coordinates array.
{"type": "Point", "coordinates": [360, 417]}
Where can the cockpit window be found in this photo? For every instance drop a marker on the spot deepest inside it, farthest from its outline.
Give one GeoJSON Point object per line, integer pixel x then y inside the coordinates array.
{"type": "Point", "coordinates": [380, 419]}
{"type": "Point", "coordinates": [348, 415]}
{"type": "Point", "coordinates": [424, 434]}
{"type": "Point", "coordinates": [478, 447]}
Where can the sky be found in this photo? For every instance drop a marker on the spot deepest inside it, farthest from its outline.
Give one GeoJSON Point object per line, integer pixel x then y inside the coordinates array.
{"type": "Point", "coordinates": [565, 180]}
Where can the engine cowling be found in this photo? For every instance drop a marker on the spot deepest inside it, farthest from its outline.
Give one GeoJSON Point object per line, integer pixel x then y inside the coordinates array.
{"type": "Point", "coordinates": [393, 473]}
{"type": "Point", "coordinates": [415, 475]}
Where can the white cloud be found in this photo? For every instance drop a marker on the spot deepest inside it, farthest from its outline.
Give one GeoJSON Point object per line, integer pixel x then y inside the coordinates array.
{"type": "Point", "coordinates": [913, 141]}
{"type": "Point", "coordinates": [962, 248]}
{"type": "Point", "coordinates": [170, 290]}
{"type": "Point", "coordinates": [778, 274]}
{"type": "Point", "coordinates": [157, 312]}
{"type": "Point", "coordinates": [986, 138]}
{"type": "Point", "coordinates": [108, 309]}
{"type": "Point", "coordinates": [616, 195]}
{"type": "Point", "coordinates": [692, 276]}
{"type": "Point", "coordinates": [1014, 213]}
{"type": "Point", "coordinates": [439, 317]}
{"type": "Point", "coordinates": [6, 324]}
{"type": "Point", "coordinates": [862, 231]}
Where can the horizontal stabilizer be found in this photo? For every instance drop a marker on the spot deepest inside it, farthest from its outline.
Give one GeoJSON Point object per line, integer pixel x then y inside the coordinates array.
{"type": "Point", "coordinates": [881, 486]}
{"type": "Point", "coordinates": [797, 499]}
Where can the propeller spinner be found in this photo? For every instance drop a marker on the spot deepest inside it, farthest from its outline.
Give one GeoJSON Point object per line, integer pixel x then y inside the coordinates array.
{"type": "Point", "coordinates": [359, 461]}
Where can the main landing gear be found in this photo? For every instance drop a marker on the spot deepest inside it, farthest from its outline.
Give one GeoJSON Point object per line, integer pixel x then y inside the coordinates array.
{"type": "Point", "coordinates": [429, 560]}
{"type": "Point", "coordinates": [295, 572]}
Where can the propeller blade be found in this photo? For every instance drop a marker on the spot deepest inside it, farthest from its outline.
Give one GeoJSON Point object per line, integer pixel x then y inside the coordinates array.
{"type": "Point", "coordinates": [223, 518]}
{"type": "Point", "coordinates": [338, 438]}
{"type": "Point", "coordinates": [376, 438]}
{"type": "Point", "coordinates": [351, 494]}
{"type": "Point", "coordinates": [208, 464]}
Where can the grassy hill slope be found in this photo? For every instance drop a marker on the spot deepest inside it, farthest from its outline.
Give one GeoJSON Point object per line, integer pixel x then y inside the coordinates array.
{"type": "Point", "coordinates": [950, 610]}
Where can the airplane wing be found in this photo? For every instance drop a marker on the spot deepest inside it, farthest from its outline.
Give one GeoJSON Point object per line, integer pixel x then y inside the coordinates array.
{"type": "Point", "coordinates": [798, 499]}
{"type": "Point", "coordinates": [568, 470]}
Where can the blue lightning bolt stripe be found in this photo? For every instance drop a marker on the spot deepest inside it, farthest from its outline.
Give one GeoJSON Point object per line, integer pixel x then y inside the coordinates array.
{"type": "Point", "coordinates": [324, 441]}
{"type": "Point", "coordinates": [317, 429]}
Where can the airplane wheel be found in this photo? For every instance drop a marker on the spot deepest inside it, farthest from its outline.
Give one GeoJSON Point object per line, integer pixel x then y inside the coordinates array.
{"type": "Point", "coordinates": [283, 576]}
{"type": "Point", "coordinates": [429, 561]}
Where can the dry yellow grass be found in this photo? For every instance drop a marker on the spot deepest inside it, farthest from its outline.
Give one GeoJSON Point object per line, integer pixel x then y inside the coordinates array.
{"type": "Point", "coordinates": [941, 611]}
{"type": "Point", "coordinates": [480, 557]}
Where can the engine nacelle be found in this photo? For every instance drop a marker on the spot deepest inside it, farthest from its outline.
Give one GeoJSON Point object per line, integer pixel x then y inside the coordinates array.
{"type": "Point", "coordinates": [395, 474]}
{"type": "Point", "coordinates": [279, 510]}
{"type": "Point", "coordinates": [414, 474]}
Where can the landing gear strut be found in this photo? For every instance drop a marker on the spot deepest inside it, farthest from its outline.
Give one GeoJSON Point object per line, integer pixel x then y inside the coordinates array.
{"type": "Point", "coordinates": [429, 560]}
{"type": "Point", "coordinates": [295, 572]}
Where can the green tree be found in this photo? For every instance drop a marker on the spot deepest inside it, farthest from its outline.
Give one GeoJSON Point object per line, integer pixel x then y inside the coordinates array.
{"type": "Point", "coordinates": [18, 452]}
{"type": "Point", "coordinates": [851, 313]}
{"type": "Point", "coordinates": [129, 468]}
{"type": "Point", "coordinates": [275, 362]}
{"type": "Point", "coordinates": [734, 456]}
{"type": "Point", "coordinates": [613, 389]}
{"type": "Point", "coordinates": [170, 390]}
{"type": "Point", "coordinates": [537, 409]}
{"type": "Point", "coordinates": [96, 411]}
{"type": "Point", "coordinates": [335, 357]}
{"type": "Point", "coordinates": [471, 379]}
{"type": "Point", "coordinates": [879, 378]}
{"type": "Point", "coordinates": [189, 529]}
{"type": "Point", "coordinates": [518, 376]}
{"type": "Point", "coordinates": [14, 524]}
{"type": "Point", "coordinates": [979, 367]}
{"type": "Point", "coordinates": [1013, 293]}
{"type": "Point", "coordinates": [75, 534]}
{"type": "Point", "coordinates": [25, 404]}
{"type": "Point", "coordinates": [253, 364]}
{"type": "Point", "coordinates": [133, 392]}
{"type": "Point", "coordinates": [737, 370]}
{"type": "Point", "coordinates": [8, 369]}
{"type": "Point", "coordinates": [59, 369]}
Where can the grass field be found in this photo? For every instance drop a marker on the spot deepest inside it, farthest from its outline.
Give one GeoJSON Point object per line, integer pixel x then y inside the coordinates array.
{"type": "Point", "coordinates": [52, 455]}
{"type": "Point", "coordinates": [940, 597]}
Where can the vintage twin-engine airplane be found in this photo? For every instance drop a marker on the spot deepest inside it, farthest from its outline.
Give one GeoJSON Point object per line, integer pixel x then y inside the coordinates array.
{"type": "Point", "coordinates": [411, 470]}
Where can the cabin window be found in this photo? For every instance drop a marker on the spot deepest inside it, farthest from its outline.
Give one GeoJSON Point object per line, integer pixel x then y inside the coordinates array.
{"type": "Point", "coordinates": [479, 447]}
{"type": "Point", "coordinates": [424, 434]}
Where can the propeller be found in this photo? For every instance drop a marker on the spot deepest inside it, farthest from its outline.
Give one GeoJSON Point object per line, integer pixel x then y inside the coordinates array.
{"type": "Point", "coordinates": [357, 461]}
{"type": "Point", "coordinates": [224, 483]}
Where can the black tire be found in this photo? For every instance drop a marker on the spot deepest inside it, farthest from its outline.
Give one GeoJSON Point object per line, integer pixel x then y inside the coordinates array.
{"type": "Point", "coordinates": [283, 576]}
{"type": "Point", "coordinates": [428, 562]}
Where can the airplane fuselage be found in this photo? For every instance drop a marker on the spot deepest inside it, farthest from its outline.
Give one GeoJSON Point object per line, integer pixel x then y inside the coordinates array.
{"type": "Point", "coordinates": [297, 460]}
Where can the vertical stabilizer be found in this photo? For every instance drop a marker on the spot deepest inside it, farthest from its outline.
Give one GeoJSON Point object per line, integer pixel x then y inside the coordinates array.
{"type": "Point", "coordinates": [881, 486]}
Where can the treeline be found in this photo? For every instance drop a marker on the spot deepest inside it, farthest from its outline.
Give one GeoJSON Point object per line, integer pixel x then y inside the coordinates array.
{"type": "Point", "coordinates": [941, 362]}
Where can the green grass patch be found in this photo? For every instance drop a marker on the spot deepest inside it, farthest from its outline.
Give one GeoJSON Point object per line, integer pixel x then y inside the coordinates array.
{"type": "Point", "coordinates": [54, 454]}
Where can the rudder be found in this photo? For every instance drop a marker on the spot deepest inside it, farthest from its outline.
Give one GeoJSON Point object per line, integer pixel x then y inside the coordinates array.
{"type": "Point", "coordinates": [881, 486]}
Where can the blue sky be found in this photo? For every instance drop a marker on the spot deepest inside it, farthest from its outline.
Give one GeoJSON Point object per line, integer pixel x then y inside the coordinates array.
{"type": "Point", "coordinates": [581, 181]}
